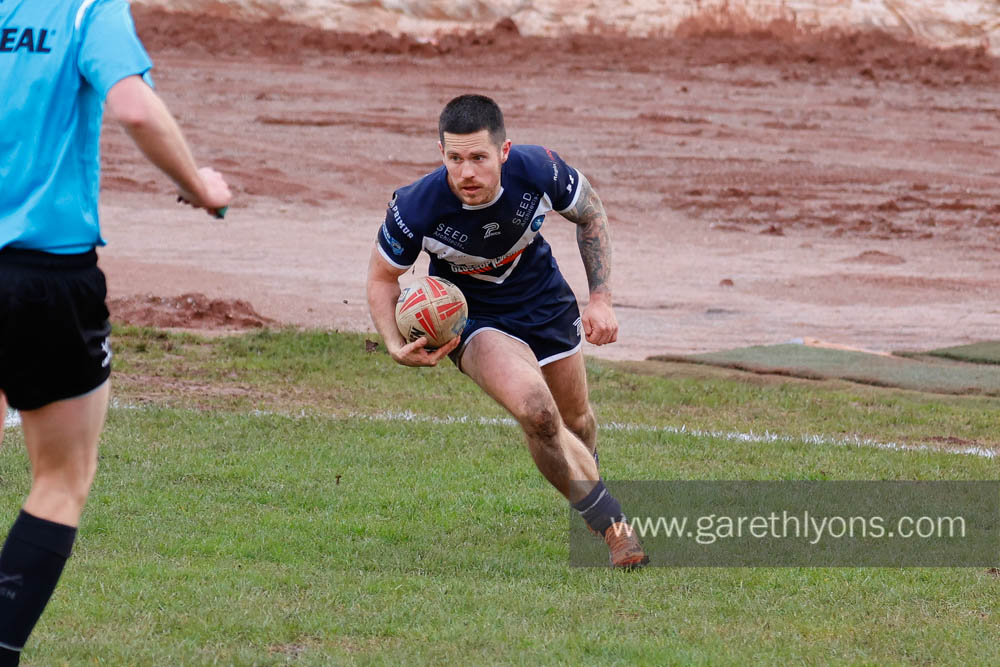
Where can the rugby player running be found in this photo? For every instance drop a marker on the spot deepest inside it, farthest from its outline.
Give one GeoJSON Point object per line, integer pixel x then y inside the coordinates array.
{"type": "Point", "coordinates": [478, 217]}
{"type": "Point", "coordinates": [60, 63]}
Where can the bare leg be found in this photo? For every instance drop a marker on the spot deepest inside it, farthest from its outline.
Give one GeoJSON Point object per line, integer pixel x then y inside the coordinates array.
{"type": "Point", "coordinates": [507, 370]}
{"type": "Point", "coordinates": [567, 380]}
{"type": "Point", "coordinates": [61, 439]}
{"type": "Point", "coordinates": [3, 415]}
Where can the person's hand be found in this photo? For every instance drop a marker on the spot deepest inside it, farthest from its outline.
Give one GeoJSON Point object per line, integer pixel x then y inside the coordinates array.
{"type": "Point", "coordinates": [599, 323]}
{"type": "Point", "coordinates": [215, 194]}
{"type": "Point", "coordinates": [414, 354]}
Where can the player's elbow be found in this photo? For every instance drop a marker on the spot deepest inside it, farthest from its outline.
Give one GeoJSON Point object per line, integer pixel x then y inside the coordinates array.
{"type": "Point", "coordinates": [129, 103]}
{"type": "Point", "coordinates": [131, 115]}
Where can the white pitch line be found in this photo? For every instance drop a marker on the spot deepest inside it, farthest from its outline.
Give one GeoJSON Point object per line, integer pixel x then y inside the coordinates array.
{"type": "Point", "coordinates": [732, 436]}
{"type": "Point", "coordinates": [13, 420]}
{"type": "Point", "coordinates": [767, 436]}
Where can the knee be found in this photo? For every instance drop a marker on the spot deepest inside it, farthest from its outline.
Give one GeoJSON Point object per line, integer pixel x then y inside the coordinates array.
{"type": "Point", "coordinates": [582, 424]}
{"type": "Point", "coordinates": [539, 417]}
{"type": "Point", "coordinates": [69, 483]}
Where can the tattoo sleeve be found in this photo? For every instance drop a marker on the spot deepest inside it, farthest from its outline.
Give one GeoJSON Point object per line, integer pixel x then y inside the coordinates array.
{"type": "Point", "coordinates": [593, 236]}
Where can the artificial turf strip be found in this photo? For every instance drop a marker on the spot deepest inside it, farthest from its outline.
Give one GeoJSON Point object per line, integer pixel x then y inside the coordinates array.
{"type": "Point", "coordinates": [986, 352]}
{"type": "Point", "coordinates": [926, 373]}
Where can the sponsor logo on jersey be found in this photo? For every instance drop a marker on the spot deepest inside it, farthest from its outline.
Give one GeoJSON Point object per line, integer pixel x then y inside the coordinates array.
{"type": "Point", "coordinates": [555, 167]}
{"type": "Point", "coordinates": [29, 40]}
{"type": "Point", "coordinates": [398, 217]}
{"type": "Point", "coordinates": [397, 247]}
{"type": "Point", "coordinates": [527, 205]}
{"type": "Point", "coordinates": [491, 229]}
{"type": "Point", "coordinates": [536, 224]}
{"type": "Point", "coordinates": [451, 235]}
{"type": "Point", "coordinates": [466, 269]}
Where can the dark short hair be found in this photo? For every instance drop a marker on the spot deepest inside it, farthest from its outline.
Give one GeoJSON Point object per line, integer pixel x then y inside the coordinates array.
{"type": "Point", "coordinates": [467, 114]}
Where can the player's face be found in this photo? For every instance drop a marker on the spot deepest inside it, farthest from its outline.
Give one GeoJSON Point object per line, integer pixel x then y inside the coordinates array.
{"type": "Point", "coordinates": [473, 162]}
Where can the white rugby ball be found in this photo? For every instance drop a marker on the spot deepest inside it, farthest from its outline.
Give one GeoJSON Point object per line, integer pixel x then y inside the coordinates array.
{"type": "Point", "coordinates": [431, 307]}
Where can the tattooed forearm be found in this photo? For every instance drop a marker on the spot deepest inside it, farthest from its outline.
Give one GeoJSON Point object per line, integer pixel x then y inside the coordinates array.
{"type": "Point", "coordinates": [592, 236]}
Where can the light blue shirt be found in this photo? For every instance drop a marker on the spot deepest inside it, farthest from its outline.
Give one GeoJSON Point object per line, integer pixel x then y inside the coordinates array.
{"type": "Point", "coordinates": [58, 60]}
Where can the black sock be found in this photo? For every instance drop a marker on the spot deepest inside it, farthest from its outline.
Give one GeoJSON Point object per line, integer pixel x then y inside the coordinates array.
{"type": "Point", "coordinates": [30, 564]}
{"type": "Point", "coordinates": [599, 509]}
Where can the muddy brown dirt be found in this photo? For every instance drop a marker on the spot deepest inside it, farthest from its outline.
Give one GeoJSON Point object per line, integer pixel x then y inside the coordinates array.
{"type": "Point", "coordinates": [761, 187]}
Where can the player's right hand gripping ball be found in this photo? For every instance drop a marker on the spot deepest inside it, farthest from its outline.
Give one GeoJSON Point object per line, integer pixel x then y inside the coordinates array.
{"type": "Point", "coordinates": [432, 307]}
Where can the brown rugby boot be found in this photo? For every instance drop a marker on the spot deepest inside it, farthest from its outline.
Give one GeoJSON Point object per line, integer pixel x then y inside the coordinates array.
{"type": "Point", "coordinates": [626, 552]}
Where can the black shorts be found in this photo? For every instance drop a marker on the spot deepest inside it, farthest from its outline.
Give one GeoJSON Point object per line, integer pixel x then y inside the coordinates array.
{"type": "Point", "coordinates": [54, 327]}
{"type": "Point", "coordinates": [552, 333]}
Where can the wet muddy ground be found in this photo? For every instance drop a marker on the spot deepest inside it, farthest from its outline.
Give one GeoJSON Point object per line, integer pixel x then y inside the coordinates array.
{"type": "Point", "coordinates": [761, 187]}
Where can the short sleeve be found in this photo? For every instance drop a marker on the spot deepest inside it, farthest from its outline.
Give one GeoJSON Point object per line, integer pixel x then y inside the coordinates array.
{"type": "Point", "coordinates": [396, 241]}
{"type": "Point", "coordinates": [110, 49]}
{"type": "Point", "coordinates": [552, 176]}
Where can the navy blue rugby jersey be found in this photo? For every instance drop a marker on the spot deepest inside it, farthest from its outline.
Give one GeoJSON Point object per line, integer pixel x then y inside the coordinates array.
{"type": "Point", "coordinates": [493, 252]}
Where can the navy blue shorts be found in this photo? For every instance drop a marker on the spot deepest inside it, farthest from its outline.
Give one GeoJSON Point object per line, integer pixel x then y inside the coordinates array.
{"type": "Point", "coordinates": [555, 337]}
{"type": "Point", "coordinates": [53, 327]}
